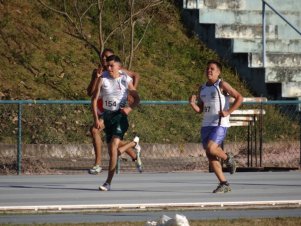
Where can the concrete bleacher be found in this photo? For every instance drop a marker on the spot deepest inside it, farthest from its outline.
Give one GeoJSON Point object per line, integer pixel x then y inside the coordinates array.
{"type": "Point", "coordinates": [233, 28]}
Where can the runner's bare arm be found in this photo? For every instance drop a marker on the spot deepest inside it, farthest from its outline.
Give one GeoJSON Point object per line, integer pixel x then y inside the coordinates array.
{"type": "Point", "coordinates": [92, 85]}
{"type": "Point", "coordinates": [94, 99]}
{"type": "Point", "coordinates": [226, 87]}
{"type": "Point", "coordinates": [133, 92]}
{"type": "Point", "coordinates": [134, 75]}
{"type": "Point", "coordinates": [196, 103]}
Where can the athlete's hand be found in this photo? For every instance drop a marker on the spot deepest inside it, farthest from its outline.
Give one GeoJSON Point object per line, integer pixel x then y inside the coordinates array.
{"type": "Point", "coordinates": [102, 124]}
{"type": "Point", "coordinates": [99, 71]}
{"type": "Point", "coordinates": [192, 99]}
{"type": "Point", "coordinates": [125, 110]}
{"type": "Point", "coordinates": [99, 124]}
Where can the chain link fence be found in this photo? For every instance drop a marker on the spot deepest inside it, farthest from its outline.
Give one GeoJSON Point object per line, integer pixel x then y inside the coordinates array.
{"type": "Point", "coordinates": [53, 137]}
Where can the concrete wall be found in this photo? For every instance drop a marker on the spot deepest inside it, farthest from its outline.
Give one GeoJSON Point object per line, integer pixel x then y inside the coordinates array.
{"type": "Point", "coordinates": [85, 151]}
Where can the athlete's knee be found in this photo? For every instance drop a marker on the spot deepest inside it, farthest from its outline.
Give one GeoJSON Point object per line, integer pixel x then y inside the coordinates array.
{"type": "Point", "coordinates": [113, 151]}
{"type": "Point", "coordinates": [118, 152]}
{"type": "Point", "coordinates": [115, 143]}
{"type": "Point", "coordinates": [94, 131]}
{"type": "Point", "coordinates": [210, 156]}
{"type": "Point", "coordinates": [212, 148]}
{"type": "Point", "coordinates": [210, 151]}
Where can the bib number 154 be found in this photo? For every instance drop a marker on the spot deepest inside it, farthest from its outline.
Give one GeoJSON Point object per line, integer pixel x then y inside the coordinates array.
{"type": "Point", "coordinates": [110, 103]}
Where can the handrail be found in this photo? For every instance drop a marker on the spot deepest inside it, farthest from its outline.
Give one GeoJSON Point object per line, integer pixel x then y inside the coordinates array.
{"type": "Point", "coordinates": [143, 102]}
{"type": "Point", "coordinates": [45, 101]}
{"type": "Point", "coordinates": [264, 3]}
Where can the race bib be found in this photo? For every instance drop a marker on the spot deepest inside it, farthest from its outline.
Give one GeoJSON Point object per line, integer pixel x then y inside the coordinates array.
{"type": "Point", "coordinates": [112, 103]}
{"type": "Point", "coordinates": [206, 109]}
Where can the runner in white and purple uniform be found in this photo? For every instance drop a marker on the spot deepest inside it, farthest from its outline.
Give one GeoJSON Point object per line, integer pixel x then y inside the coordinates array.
{"type": "Point", "coordinates": [213, 102]}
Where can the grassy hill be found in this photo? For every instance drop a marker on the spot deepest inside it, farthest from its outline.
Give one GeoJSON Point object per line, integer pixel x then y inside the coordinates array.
{"type": "Point", "coordinates": [39, 60]}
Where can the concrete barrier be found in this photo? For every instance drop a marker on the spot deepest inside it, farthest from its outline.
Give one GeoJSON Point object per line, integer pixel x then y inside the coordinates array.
{"type": "Point", "coordinates": [70, 151]}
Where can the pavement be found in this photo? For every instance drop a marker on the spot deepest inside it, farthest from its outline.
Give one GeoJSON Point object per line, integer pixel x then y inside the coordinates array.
{"type": "Point", "coordinates": [148, 191]}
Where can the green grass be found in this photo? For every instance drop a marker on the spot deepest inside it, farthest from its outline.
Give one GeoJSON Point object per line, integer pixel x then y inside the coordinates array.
{"type": "Point", "coordinates": [61, 124]}
{"type": "Point", "coordinates": [290, 221]}
{"type": "Point", "coordinates": [40, 61]}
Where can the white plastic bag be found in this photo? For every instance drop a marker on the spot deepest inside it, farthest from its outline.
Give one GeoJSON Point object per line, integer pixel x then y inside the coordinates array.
{"type": "Point", "coordinates": [178, 220]}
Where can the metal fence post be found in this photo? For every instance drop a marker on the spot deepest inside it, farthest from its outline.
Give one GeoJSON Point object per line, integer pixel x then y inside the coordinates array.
{"type": "Point", "coordinates": [260, 133]}
{"type": "Point", "coordinates": [263, 35]}
{"type": "Point", "coordinates": [118, 164]}
{"type": "Point", "coordinates": [19, 150]}
{"type": "Point", "coordinates": [300, 139]}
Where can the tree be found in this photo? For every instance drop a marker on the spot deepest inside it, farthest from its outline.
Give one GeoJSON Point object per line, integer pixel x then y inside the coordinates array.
{"type": "Point", "coordinates": [128, 14]}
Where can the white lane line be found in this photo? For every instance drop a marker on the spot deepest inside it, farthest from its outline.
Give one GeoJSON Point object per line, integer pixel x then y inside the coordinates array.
{"type": "Point", "coordinates": [152, 205]}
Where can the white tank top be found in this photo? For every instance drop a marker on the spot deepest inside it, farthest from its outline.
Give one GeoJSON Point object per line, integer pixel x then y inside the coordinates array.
{"type": "Point", "coordinates": [114, 91]}
{"type": "Point", "coordinates": [214, 101]}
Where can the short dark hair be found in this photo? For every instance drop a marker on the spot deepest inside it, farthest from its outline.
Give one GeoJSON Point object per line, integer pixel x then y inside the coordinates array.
{"type": "Point", "coordinates": [114, 58]}
{"type": "Point", "coordinates": [218, 64]}
{"type": "Point", "coordinates": [107, 50]}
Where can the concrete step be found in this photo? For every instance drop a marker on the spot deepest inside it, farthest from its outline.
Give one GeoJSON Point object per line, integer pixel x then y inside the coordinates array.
{"type": "Point", "coordinates": [272, 46]}
{"type": "Point", "coordinates": [290, 5]}
{"type": "Point", "coordinates": [246, 17]}
{"type": "Point", "coordinates": [224, 24]}
{"type": "Point", "coordinates": [291, 89]}
{"type": "Point", "coordinates": [274, 60]}
{"type": "Point", "coordinates": [244, 31]}
{"type": "Point", "coordinates": [282, 74]}
{"type": "Point", "coordinates": [255, 31]}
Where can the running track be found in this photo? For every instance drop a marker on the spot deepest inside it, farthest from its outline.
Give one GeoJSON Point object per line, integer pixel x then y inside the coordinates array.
{"type": "Point", "coordinates": [149, 191]}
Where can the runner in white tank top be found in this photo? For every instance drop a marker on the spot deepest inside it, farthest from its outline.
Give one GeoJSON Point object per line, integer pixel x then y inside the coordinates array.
{"type": "Point", "coordinates": [96, 133]}
{"type": "Point", "coordinates": [114, 86]}
{"type": "Point", "coordinates": [213, 102]}
{"type": "Point", "coordinates": [114, 91]}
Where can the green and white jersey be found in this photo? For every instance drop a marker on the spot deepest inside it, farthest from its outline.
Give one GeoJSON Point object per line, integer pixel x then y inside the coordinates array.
{"type": "Point", "coordinates": [114, 91]}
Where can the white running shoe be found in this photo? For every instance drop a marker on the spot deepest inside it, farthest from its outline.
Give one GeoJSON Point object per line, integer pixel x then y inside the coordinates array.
{"type": "Point", "coordinates": [138, 152]}
{"type": "Point", "coordinates": [137, 146]}
{"type": "Point", "coordinates": [105, 187]}
{"type": "Point", "coordinates": [95, 170]}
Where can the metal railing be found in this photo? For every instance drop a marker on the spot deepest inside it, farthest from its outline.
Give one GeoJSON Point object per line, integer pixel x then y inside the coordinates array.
{"type": "Point", "coordinates": [173, 144]}
{"type": "Point", "coordinates": [264, 4]}
{"type": "Point", "coordinates": [20, 104]}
